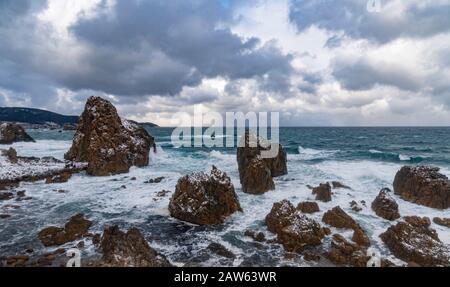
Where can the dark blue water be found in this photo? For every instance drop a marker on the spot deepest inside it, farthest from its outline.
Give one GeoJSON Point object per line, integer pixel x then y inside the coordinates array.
{"type": "Point", "coordinates": [414, 145]}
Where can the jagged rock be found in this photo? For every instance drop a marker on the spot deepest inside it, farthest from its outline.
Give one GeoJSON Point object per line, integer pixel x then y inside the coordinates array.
{"type": "Point", "coordinates": [109, 144]}
{"type": "Point", "coordinates": [294, 230]}
{"type": "Point", "coordinates": [128, 249]}
{"type": "Point", "coordinates": [59, 178]}
{"type": "Point", "coordinates": [11, 133]}
{"type": "Point", "coordinates": [6, 195]}
{"type": "Point", "coordinates": [337, 184]}
{"type": "Point", "coordinates": [323, 192]}
{"type": "Point", "coordinates": [257, 178]}
{"type": "Point", "coordinates": [338, 218]}
{"type": "Point", "coordinates": [423, 185]}
{"type": "Point", "coordinates": [279, 216]}
{"type": "Point", "coordinates": [308, 207]}
{"type": "Point", "coordinates": [257, 236]}
{"type": "Point", "coordinates": [11, 155]}
{"type": "Point", "coordinates": [155, 180]}
{"type": "Point", "coordinates": [204, 199]}
{"type": "Point", "coordinates": [355, 206]}
{"type": "Point", "coordinates": [221, 250]}
{"type": "Point", "coordinates": [442, 221]}
{"type": "Point", "coordinates": [74, 229]}
{"type": "Point", "coordinates": [414, 241]}
{"type": "Point", "coordinates": [346, 253]}
{"type": "Point", "coordinates": [385, 206]}
{"type": "Point", "coordinates": [255, 172]}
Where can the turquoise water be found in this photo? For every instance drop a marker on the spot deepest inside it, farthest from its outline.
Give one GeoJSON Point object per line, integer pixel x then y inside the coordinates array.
{"type": "Point", "coordinates": [364, 158]}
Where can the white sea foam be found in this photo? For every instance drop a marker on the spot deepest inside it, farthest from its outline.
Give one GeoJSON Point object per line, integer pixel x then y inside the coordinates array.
{"type": "Point", "coordinates": [310, 154]}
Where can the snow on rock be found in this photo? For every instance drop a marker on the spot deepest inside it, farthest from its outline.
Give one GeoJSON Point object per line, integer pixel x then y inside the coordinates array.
{"type": "Point", "coordinates": [109, 144]}
{"type": "Point", "coordinates": [14, 169]}
{"type": "Point", "coordinates": [204, 199]}
{"type": "Point", "coordinates": [10, 133]}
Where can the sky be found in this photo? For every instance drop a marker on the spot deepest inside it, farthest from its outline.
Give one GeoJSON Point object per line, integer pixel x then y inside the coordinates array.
{"type": "Point", "coordinates": [316, 62]}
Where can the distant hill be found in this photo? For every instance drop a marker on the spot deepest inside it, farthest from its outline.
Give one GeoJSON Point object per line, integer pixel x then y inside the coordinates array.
{"type": "Point", "coordinates": [35, 116]}
{"type": "Point", "coordinates": [41, 117]}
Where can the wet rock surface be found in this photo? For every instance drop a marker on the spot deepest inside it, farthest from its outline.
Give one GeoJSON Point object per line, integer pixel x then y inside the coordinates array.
{"type": "Point", "coordinates": [385, 206]}
{"type": "Point", "coordinates": [442, 221]}
{"type": "Point", "coordinates": [109, 144]}
{"type": "Point", "coordinates": [59, 178]}
{"type": "Point", "coordinates": [294, 230]}
{"type": "Point", "coordinates": [11, 133]}
{"type": "Point", "coordinates": [423, 185]}
{"type": "Point", "coordinates": [74, 229]}
{"type": "Point", "coordinates": [414, 241]}
{"type": "Point", "coordinates": [343, 252]}
{"type": "Point", "coordinates": [323, 192]}
{"type": "Point", "coordinates": [255, 171]}
{"type": "Point", "coordinates": [128, 249]}
{"type": "Point", "coordinates": [308, 207]}
{"type": "Point", "coordinates": [204, 199]}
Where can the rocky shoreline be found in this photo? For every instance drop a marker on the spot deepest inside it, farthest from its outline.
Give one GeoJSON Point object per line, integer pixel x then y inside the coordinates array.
{"type": "Point", "coordinates": [104, 144]}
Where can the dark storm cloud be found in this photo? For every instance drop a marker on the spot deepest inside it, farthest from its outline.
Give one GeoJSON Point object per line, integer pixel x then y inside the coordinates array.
{"type": "Point", "coordinates": [419, 19]}
{"type": "Point", "coordinates": [364, 75]}
{"type": "Point", "coordinates": [165, 45]}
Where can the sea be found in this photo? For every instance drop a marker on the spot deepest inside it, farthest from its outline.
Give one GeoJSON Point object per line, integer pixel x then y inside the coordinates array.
{"type": "Point", "coordinates": [364, 158]}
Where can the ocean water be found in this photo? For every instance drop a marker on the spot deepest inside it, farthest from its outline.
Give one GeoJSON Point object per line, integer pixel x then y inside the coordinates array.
{"type": "Point", "coordinates": [366, 159]}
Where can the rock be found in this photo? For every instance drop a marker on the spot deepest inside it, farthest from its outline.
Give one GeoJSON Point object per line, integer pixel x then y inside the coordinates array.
{"type": "Point", "coordinates": [323, 192]}
{"type": "Point", "coordinates": [4, 216]}
{"type": "Point", "coordinates": [109, 144]}
{"type": "Point", "coordinates": [360, 237]}
{"type": "Point", "coordinates": [11, 133]}
{"type": "Point", "coordinates": [257, 178]}
{"type": "Point", "coordinates": [385, 206]}
{"type": "Point", "coordinates": [80, 244]}
{"type": "Point", "coordinates": [21, 193]}
{"type": "Point", "coordinates": [96, 239]}
{"type": "Point", "coordinates": [16, 261]}
{"type": "Point", "coordinates": [308, 207]}
{"type": "Point", "coordinates": [338, 218]}
{"type": "Point", "coordinates": [280, 215]}
{"type": "Point", "coordinates": [162, 193]}
{"type": "Point", "coordinates": [11, 155]}
{"type": "Point", "coordinates": [204, 199]}
{"type": "Point", "coordinates": [155, 180]}
{"type": "Point", "coordinates": [6, 195]}
{"type": "Point", "coordinates": [311, 256]}
{"type": "Point", "coordinates": [423, 185]}
{"type": "Point", "coordinates": [59, 178]}
{"type": "Point", "coordinates": [337, 184]}
{"type": "Point", "coordinates": [74, 229]}
{"type": "Point", "coordinates": [255, 172]}
{"type": "Point", "coordinates": [346, 253]}
{"type": "Point", "coordinates": [128, 249]}
{"type": "Point", "coordinates": [442, 221]}
{"type": "Point", "coordinates": [221, 250]}
{"type": "Point", "coordinates": [294, 230]}
{"type": "Point", "coordinates": [301, 233]}
{"type": "Point", "coordinates": [414, 241]}
{"type": "Point", "coordinates": [355, 206]}
{"type": "Point", "coordinates": [257, 236]}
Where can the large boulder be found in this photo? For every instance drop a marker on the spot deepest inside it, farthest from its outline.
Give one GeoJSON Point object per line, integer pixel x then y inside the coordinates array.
{"type": "Point", "coordinates": [128, 249]}
{"type": "Point", "coordinates": [323, 192]}
{"type": "Point", "coordinates": [74, 229]}
{"type": "Point", "coordinates": [385, 206]}
{"type": "Point", "coordinates": [338, 218]}
{"type": "Point", "coordinates": [109, 144]}
{"type": "Point", "coordinates": [11, 133]}
{"type": "Point", "coordinates": [204, 199]}
{"type": "Point", "coordinates": [256, 172]}
{"type": "Point", "coordinates": [295, 231]}
{"type": "Point", "coordinates": [343, 252]}
{"type": "Point", "coordinates": [423, 185]}
{"type": "Point", "coordinates": [414, 241]}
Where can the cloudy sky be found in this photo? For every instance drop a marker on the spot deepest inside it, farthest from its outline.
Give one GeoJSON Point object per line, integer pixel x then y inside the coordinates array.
{"type": "Point", "coordinates": [317, 62]}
